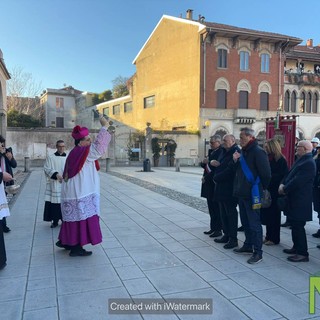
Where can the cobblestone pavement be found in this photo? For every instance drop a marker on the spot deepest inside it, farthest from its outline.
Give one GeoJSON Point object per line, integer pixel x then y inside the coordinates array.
{"type": "Point", "coordinates": [193, 202]}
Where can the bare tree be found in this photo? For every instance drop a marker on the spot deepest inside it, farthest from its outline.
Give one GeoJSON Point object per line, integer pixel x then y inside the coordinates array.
{"type": "Point", "coordinates": [23, 92]}
{"type": "Point", "coordinates": [120, 88]}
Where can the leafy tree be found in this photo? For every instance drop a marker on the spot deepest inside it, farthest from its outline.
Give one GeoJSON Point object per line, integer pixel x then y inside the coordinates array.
{"type": "Point", "coordinates": [95, 99]}
{"type": "Point", "coordinates": [17, 119]}
{"type": "Point", "coordinates": [105, 96]}
{"type": "Point", "coordinates": [102, 97]}
{"type": "Point", "coordinates": [120, 88]}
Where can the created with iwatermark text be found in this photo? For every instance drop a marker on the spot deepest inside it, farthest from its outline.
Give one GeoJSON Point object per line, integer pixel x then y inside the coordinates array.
{"type": "Point", "coordinates": [160, 306]}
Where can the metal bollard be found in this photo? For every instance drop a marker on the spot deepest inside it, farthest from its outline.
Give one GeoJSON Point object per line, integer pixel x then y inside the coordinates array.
{"type": "Point", "coordinates": [107, 164]}
{"type": "Point", "coordinates": [26, 164]}
{"type": "Point", "coordinates": [177, 165]}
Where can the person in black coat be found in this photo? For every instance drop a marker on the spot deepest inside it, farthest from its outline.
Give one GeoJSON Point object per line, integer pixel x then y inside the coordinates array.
{"type": "Point", "coordinates": [249, 193]}
{"type": "Point", "coordinates": [297, 186]}
{"type": "Point", "coordinates": [223, 194]}
{"type": "Point", "coordinates": [10, 163]}
{"type": "Point", "coordinates": [271, 217]}
{"type": "Point", "coordinates": [207, 188]}
{"type": "Point", "coordinates": [316, 190]}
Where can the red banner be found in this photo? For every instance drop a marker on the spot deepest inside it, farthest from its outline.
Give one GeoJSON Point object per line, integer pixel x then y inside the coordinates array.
{"type": "Point", "coordinates": [283, 128]}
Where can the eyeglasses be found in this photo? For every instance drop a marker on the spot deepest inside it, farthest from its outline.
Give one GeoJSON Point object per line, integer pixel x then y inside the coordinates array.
{"type": "Point", "coordinates": [61, 146]}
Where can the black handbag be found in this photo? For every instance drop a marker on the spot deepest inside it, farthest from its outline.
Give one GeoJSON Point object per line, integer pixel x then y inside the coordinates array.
{"type": "Point", "coordinates": [283, 203]}
{"type": "Point", "coordinates": [266, 199]}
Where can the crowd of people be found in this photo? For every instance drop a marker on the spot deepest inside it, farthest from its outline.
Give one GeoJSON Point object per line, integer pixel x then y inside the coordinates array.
{"type": "Point", "coordinates": [243, 176]}
{"type": "Point", "coordinates": [235, 176]}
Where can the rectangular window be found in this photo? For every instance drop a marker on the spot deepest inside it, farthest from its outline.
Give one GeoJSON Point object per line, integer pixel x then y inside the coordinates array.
{"type": "Point", "coordinates": [149, 102]}
{"type": "Point", "coordinates": [222, 99]}
{"type": "Point", "coordinates": [59, 122]}
{"type": "Point", "coordinates": [265, 62]}
{"type": "Point", "coordinates": [106, 111]}
{"type": "Point", "coordinates": [116, 109]}
{"type": "Point", "coordinates": [128, 106]}
{"type": "Point", "coordinates": [264, 101]}
{"type": "Point", "coordinates": [243, 100]}
{"type": "Point", "coordinates": [222, 58]}
{"type": "Point", "coordinates": [244, 60]}
{"type": "Point", "coordinates": [59, 103]}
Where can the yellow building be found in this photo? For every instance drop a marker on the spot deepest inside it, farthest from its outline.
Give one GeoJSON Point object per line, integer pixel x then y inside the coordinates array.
{"type": "Point", "coordinates": [196, 78]}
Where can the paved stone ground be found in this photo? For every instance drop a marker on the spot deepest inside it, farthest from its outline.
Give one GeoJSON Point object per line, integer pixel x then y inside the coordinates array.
{"type": "Point", "coordinates": [153, 247]}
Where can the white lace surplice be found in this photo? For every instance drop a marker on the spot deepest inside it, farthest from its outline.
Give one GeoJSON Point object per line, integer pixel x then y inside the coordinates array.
{"type": "Point", "coordinates": [80, 195]}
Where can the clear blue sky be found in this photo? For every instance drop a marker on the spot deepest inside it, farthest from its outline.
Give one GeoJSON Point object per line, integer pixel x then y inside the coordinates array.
{"type": "Point", "coordinates": [89, 43]}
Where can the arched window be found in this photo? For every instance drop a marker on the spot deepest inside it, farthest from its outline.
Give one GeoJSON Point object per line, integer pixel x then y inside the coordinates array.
{"type": "Point", "coordinates": [264, 101]}
{"type": "Point", "coordinates": [287, 101]}
{"type": "Point", "coordinates": [302, 103]}
{"type": "Point", "coordinates": [222, 58]}
{"type": "Point", "coordinates": [264, 90]}
{"type": "Point", "coordinates": [243, 99]}
{"type": "Point", "coordinates": [222, 99]}
{"type": "Point", "coordinates": [244, 60]}
{"type": "Point", "coordinates": [221, 132]}
{"type": "Point", "coordinates": [265, 62]}
{"type": "Point", "coordinates": [308, 102]}
{"type": "Point", "coordinates": [315, 103]}
{"type": "Point", "coordinates": [294, 102]}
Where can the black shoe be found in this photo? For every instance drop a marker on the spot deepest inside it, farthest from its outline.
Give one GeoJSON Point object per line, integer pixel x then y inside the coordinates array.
{"type": "Point", "coordinates": [318, 246]}
{"type": "Point", "coordinates": [231, 245]}
{"type": "Point", "coordinates": [215, 234]}
{"type": "Point", "coordinates": [298, 258]}
{"type": "Point", "coordinates": [3, 266]}
{"type": "Point", "coordinates": [240, 228]}
{"type": "Point", "coordinates": [54, 224]}
{"type": "Point", "coordinates": [62, 246]}
{"type": "Point", "coordinates": [80, 253]}
{"type": "Point", "coordinates": [224, 239]}
{"type": "Point", "coordinates": [243, 250]}
{"type": "Point", "coordinates": [317, 234]}
{"type": "Point", "coordinates": [6, 229]}
{"type": "Point", "coordinates": [256, 258]}
{"type": "Point", "coordinates": [290, 251]}
{"type": "Point", "coordinates": [208, 232]}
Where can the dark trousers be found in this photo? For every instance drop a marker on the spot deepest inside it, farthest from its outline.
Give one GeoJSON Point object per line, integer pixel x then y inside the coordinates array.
{"type": "Point", "coordinates": [250, 220]}
{"type": "Point", "coordinates": [3, 256]}
{"type": "Point", "coordinates": [229, 219]}
{"type": "Point", "coordinates": [299, 238]}
{"type": "Point", "coordinates": [273, 228]}
{"type": "Point", "coordinates": [215, 220]}
{"type": "Point", "coordinates": [4, 222]}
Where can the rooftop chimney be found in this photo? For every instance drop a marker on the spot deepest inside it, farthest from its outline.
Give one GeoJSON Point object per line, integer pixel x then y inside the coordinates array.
{"type": "Point", "coordinates": [189, 14]}
{"type": "Point", "coordinates": [310, 43]}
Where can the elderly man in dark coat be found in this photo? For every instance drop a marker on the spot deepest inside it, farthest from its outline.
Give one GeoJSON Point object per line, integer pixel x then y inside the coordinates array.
{"type": "Point", "coordinates": [252, 176]}
{"type": "Point", "coordinates": [297, 186]}
{"type": "Point", "coordinates": [223, 177]}
{"type": "Point", "coordinates": [207, 188]}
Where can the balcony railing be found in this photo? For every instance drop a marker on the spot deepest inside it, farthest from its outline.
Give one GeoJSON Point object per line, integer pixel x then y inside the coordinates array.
{"type": "Point", "coordinates": [302, 78]}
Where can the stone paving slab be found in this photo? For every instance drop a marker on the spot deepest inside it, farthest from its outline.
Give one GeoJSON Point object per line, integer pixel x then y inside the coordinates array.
{"type": "Point", "coordinates": [153, 247]}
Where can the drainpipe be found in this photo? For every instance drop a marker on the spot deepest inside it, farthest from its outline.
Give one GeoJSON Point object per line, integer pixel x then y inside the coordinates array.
{"type": "Point", "coordinates": [280, 75]}
{"type": "Point", "coordinates": [204, 69]}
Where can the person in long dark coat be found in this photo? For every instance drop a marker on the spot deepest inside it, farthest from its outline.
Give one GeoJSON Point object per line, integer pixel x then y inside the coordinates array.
{"type": "Point", "coordinates": [297, 186]}
{"type": "Point", "coordinates": [9, 162]}
{"type": "Point", "coordinates": [316, 191]}
{"type": "Point", "coordinates": [207, 187]}
{"type": "Point", "coordinates": [223, 177]}
{"type": "Point", "coordinates": [271, 217]}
